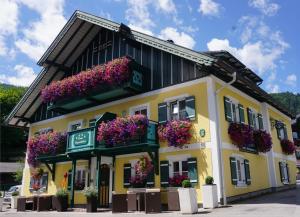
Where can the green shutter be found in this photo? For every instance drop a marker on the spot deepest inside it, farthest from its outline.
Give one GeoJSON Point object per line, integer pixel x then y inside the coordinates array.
{"type": "Point", "coordinates": [44, 181]}
{"type": "Point", "coordinates": [162, 113]}
{"type": "Point", "coordinates": [190, 107]}
{"type": "Point", "coordinates": [241, 113]}
{"type": "Point", "coordinates": [69, 179]}
{"type": "Point", "coordinates": [281, 172]}
{"type": "Point", "coordinates": [260, 121]}
{"type": "Point", "coordinates": [247, 172]}
{"type": "Point", "coordinates": [285, 132]}
{"type": "Point", "coordinates": [227, 109]}
{"type": "Point", "coordinates": [233, 170]}
{"type": "Point", "coordinates": [250, 118]}
{"type": "Point", "coordinates": [150, 179]}
{"type": "Point", "coordinates": [127, 175]}
{"type": "Point", "coordinates": [192, 169]}
{"type": "Point", "coordinates": [164, 173]}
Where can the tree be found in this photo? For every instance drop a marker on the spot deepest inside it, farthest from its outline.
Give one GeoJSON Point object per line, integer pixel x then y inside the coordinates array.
{"type": "Point", "coordinates": [289, 100]}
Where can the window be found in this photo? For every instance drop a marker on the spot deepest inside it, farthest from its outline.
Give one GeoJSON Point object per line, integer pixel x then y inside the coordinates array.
{"type": "Point", "coordinates": [284, 172]}
{"type": "Point", "coordinates": [75, 125]}
{"type": "Point", "coordinates": [80, 179]}
{"type": "Point", "coordinates": [177, 110]}
{"type": "Point", "coordinates": [297, 154]}
{"type": "Point", "coordinates": [43, 182]}
{"type": "Point", "coordinates": [281, 130]}
{"type": "Point", "coordinates": [240, 171]}
{"type": "Point", "coordinates": [180, 168]}
{"type": "Point", "coordinates": [255, 119]}
{"type": "Point", "coordinates": [141, 109]}
{"type": "Point", "coordinates": [234, 112]}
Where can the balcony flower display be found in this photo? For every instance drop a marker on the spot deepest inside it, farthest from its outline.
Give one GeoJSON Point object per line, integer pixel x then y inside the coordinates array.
{"type": "Point", "coordinates": [142, 169]}
{"type": "Point", "coordinates": [287, 146]}
{"type": "Point", "coordinates": [114, 72]}
{"type": "Point", "coordinates": [175, 132]}
{"type": "Point", "coordinates": [176, 181]}
{"type": "Point", "coordinates": [49, 143]}
{"type": "Point", "coordinates": [262, 140]}
{"type": "Point", "coordinates": [121, 130]}
{"type": "Point", "coordinates": [240, 134]}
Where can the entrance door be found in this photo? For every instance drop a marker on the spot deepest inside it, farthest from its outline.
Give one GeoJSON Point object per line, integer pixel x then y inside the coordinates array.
{"type": "Point", "coordinates": [104, 186]}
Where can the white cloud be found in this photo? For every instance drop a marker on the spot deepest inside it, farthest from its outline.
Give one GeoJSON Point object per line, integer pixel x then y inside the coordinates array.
{"type": "Point", "coordinates": [273, 88]}
{"type": "Point", "coordinates": [24, 76]}
{"type": "Point", "coordinates": [38, 36]}
{"type": "Point", "coordinates": [265, 7]}
{"type": "Point", "coordinates": [179, 38]}
{"type": "Point", "coordinates": [8, 23]}
{"type": "Point", "coordinates": [291, 80]}
{"type": "Point", "coordinates": [167, 6]}
{"type": "Point", "coordinates": [209, 7]}
{"type": "Point", "coordinates": [138, 16]}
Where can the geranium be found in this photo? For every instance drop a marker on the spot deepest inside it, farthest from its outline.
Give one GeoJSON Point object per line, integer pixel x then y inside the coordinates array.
{"type": "Point", "coordinates": [49, 143]}
{"type": "Point", "coordinates": [240, 134]}
{"type": "Point", "coordinates": [121, 130]}
{"type": "Point", "coordinates": [287, 146]}
{"type": "Point", "coordinates": [262, 140]}
{"type": "Point", "coordinates": [114, 72]}
{"type": "Point", "coordinates": [175, 132]}
{"type": "Point", "coordinates": [176, 181]}
{"type": "Point", "coordinates": [37, 174]}
{"type": "Point", "coordinates": [142, 169]}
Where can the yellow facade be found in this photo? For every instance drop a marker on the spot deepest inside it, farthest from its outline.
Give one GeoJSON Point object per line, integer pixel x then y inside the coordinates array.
{"type": "Point", "coordinates": [258, 162]}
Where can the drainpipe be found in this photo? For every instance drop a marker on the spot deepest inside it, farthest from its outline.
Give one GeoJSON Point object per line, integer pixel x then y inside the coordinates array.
{"type": "Point", "coordinates": [219, 147]}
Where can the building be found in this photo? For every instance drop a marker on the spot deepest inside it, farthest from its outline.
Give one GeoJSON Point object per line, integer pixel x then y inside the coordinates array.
{"type": "Point", "coordinates": [211, 89]}
{"type": "Point", "coordinates": [296, 137]}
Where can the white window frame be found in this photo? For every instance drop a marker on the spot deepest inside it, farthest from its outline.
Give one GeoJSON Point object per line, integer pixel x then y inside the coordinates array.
{"type": "Point", "coordinates": [234, 104]}
{"type": "Point", "coordinates": [172, 100]}
{"type": "Point", "coordinates": [255, 117]}
{"type": "Point", "coordinates": [146, 106]}
{"type": "Point", "coordinates": [285, 173]}
{"type": "Point", "coordinates": [241, 183]}
{"type": "Point", "coordinates": [177, 158]}
{"type": "Point", "coordinates": [86, 171]}
{"type": "Point", "coordinates": [73, 123]}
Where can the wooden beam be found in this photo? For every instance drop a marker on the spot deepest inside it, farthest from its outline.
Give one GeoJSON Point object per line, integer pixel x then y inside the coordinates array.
{"type": "Point", "coordinates": [73, 182]}
{"type": "Point", "coordinates": [98, 178]}
{"type": "Point", "coordinates": [59, 66]}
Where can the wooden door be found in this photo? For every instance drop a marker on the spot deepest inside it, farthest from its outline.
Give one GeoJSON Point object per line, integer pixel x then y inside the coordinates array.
{"type": "Point", "coordinates": [104, 186]}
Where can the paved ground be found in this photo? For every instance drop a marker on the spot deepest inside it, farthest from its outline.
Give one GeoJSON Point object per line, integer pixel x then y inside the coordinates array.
{"type": "Point", "coordinates": [282, 204]}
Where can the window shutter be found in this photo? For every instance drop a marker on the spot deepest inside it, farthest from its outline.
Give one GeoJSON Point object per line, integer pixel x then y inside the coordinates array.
{"type": "Point", "coordinates": [192, 170]}
{"type": "Point", "coordinates": [127, 175]}
{"type": "Point", "coordinates": [250, 119]}
{"type": "Point", "coordinates": [227, 109]}
{"type": "Point", "coordinates": [281, 171]}
{"type": "Point", "coordinates": [233, 170]}
{"type": "Point", "coordinates": [260, 121]}
{"type": "Point", "coordinates": [69, 179]}
{"type": "Point", "coordinates": [150, 179]}
{"type": "Point", "coordinates": [31, 183]}
{"type": "Point", "coordinates": [162, 113]}
{"type": "Point", "coordinates": [190, 107]}
{"type": "Point", "coordinates": [288, 173]}
{"type": "Point", "coordinates": [247, 172]}
{"type": "Point", "coordinates": [285, 132]}
{"type": "Point", "coordinates": [241, 113]}
{"type": "Point", "coordinates": [164, 173]}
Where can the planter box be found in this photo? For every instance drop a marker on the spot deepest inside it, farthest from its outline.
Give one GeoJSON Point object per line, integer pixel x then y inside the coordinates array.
{"type": "Point", "coordinates": [91, 205]}
{"type": "Point", "coordinates": [188, 200]}
{"type": "Point", "coordinates": [173, 200]}
{"type": "Point", "coordinates": [210, 196]}
{"type": "Point", "coordinates": [14, 202]}
{"type": "Point", "coordinates": [60, 203]}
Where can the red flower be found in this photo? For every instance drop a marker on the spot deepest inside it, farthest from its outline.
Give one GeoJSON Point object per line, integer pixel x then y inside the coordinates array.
{"type": "Point", "coordinates": [287, 146]}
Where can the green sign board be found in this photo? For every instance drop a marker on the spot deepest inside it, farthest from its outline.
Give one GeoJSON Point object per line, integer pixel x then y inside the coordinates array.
{"type": "Point", "coordinates": [81, 139]}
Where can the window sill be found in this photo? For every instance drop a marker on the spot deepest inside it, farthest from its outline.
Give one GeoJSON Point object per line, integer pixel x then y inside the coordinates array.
{"type": "Point", "coordinates": [241, 186]}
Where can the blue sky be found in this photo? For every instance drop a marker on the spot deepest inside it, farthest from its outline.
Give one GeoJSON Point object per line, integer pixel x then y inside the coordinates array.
{"type": "Point", "coordinates": [263, 34]}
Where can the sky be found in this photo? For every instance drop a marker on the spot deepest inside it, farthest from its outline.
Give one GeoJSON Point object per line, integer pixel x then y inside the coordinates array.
{"type": "Point", "coordinates": [263, 34]}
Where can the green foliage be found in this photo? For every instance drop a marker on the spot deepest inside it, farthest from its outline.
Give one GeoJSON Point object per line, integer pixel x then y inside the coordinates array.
{"type": "Point", "coordinates": [61, 192]}
{"type": "Point", "coordinates": [289, 100]}
{"type": "Point", "coordinates": [186, 183]}
{"type": "Point", "coordinates": [15, 193]}
{"type": "Point", "coordinates": [209, 180]}
{"type": "Point", "coordinates": [18, 176]}
{"type": "Point", "coordinates": [90, 192]}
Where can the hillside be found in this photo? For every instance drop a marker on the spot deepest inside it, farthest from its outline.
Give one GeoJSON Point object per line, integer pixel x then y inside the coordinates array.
{"type": "Point", "coordinates": [289, 100]}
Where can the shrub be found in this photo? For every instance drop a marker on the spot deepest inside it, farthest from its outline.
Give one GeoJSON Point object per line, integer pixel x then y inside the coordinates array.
{"type": "Point", "coordinates": [61, 192]}
{"type": "Point", "coordinates": [175, 132]}
{"type": "Point", "coordinates": [90, 192]}
{"type": "Point", "coordinates": [209, 180]}
{"type": "Point", "coordinates": [186, 183]}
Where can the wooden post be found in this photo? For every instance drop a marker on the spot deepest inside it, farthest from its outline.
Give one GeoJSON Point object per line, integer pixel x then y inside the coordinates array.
{"type": "Point", "coordinates": [98, 177]}
{"type": "Point", "coordinates": [113, 172]}
{"type": "Point", "coordinates": [73, 182]}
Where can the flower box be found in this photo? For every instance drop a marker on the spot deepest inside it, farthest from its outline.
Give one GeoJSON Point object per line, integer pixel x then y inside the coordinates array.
{"type": "Point", "coordinates": [91, 205]}
{"type": "Point", "coordinates": [117, 78]}
{"type": "Point", "coordinates": [287, 146]}
{"type": "Point", "coordinates": [210, 196]}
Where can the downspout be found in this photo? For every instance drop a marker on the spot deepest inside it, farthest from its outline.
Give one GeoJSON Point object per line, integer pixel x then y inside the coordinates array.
{"type": "Point", "coordinates": [219, 148]}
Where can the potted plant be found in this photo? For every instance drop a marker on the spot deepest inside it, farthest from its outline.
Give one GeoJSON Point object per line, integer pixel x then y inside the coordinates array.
{"type": "Point", "coordinates": [209, 193]}
{"type": "Point", "coordinates": [91, 194]}
{"type": "Point", "coordinates": [61, 200]}
{"type": "Point", "coordinates": [187, 198]}
{"type": "Point", "coordinates": [14, 200]}
{"type": "Point", "coordinates": [1, 201]}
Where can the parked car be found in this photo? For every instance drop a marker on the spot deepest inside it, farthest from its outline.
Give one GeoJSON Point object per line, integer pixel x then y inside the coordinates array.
{"type": "Point", "coordinates": [8, 194]}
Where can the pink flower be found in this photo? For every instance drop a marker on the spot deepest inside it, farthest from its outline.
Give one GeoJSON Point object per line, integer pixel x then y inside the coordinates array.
{"type": "Point", "coordinates": [287, 146]}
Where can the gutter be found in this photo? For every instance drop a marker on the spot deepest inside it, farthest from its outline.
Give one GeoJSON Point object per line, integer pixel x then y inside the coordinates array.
{"type": "Point", "coordinates": [219, 148]}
